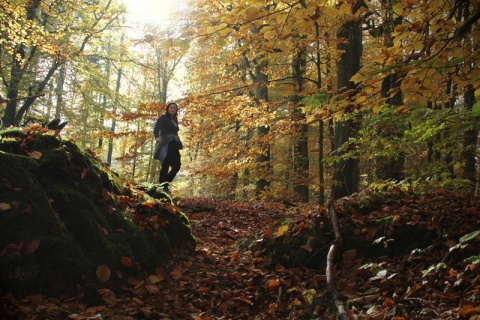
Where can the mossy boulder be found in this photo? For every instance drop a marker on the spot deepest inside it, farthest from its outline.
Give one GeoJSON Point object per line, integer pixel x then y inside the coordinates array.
{"type": "Point", "coordinates": [372, 224]}
{"type": "Point", "coordinates": [63, 214]}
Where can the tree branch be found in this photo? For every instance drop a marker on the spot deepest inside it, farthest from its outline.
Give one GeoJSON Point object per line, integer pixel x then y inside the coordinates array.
{"type": "Point", "coordinates": [331, 290]}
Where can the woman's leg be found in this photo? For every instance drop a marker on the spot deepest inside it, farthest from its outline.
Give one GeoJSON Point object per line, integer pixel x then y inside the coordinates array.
{"type": "Point", "coordinates": [175, 162]}
{"type": "Point", "coordinates": [165, 166]}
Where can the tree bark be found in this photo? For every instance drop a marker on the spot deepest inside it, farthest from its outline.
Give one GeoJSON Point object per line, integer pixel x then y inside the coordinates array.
{"type": "Point", "coordinates": [391, 167]}
{"type": "Point", "coordinates": [470, 144]}
{"type": "Point", "coordinates": [347, 174]}
{"type": "Point", "coordinates": [300, 151]}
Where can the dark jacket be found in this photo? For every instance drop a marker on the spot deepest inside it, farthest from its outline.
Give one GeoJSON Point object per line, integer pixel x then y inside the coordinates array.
{"type": "Point", "coordinates": [167, 131]}
{"type": "Point", "coordinates": [165, 126]}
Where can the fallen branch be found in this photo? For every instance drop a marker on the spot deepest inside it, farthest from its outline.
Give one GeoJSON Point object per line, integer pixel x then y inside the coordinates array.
{"type": "Point", "coordinates": [331, 290]}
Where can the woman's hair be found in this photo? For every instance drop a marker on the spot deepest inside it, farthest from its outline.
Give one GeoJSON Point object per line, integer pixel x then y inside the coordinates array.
{"type": "Point", "coordinates": [173, 117]}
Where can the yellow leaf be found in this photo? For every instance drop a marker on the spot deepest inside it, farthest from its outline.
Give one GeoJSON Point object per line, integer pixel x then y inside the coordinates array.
{"type": "Point", "coordinates": [358, 77]}
{"type": "Point", "coordinates": [360, 99]}
{"type": "Point", "coordinates": [252, 13]}
{"type": "Point", "coordinates": [345, 9]}
{"type": "Point", "coordinates": [402, 109]}
{"type": "Point", "coordinates": [281, 18]}
{"type": "Point", "coordinates": [282, 230]}
{"type": "Point", "coordinates": [5, 206]}
{"type": "Point", "coordinates": [418, 46]}
{"type": "Point", "coordinates": [270, 34]}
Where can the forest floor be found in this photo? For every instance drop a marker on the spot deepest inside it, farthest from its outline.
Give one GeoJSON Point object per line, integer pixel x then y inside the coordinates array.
{"type": "Point", "coordinates": [224, 278]}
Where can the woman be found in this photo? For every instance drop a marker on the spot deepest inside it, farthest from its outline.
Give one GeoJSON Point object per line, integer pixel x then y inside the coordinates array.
{"type": "Point", "coordinates": [168, 145]}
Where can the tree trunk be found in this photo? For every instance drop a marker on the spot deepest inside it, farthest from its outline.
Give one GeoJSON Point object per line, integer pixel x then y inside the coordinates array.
{"type": "Point", "coordinates": [59, 90]}
{"type": "Point", "coordinates": [321, 125]}
{"type": "Point", "coordinates": [391, 167]}
{"type": "Point", "coordinates": [114, 117]}
{"type": "Point", "coordinates": [300, 152]}
{"type": "Point", "coordinates": [347, 174]}
{"type": "Point", "coordinates": [263, 160]}
{"type": "Point", "coordinates": [470, 144]}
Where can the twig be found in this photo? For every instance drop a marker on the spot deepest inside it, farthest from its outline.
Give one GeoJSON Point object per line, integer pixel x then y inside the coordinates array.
{"type": "Point", "coordinates": [331, 290]}
{"type": "Point", "coordinates": [4, 100]}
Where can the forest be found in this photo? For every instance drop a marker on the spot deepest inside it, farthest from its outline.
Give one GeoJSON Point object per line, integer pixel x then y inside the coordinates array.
{"type": "Point", "coordinates": [278, 100]}
{"type": "Point", "coordinates": [309, 115]}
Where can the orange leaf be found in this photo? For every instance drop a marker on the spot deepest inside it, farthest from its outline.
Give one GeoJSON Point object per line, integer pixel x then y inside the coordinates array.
{"type": "Point", "coordinates": [35, 155]}
{"type": "Point", "coordinates": [83, 174]}
{"type": "Point", "coordinates": [176, 274]}
{"type": "Point", "coordinates": [28, 209]}
{"type": "Point", "coordinates": [126, 261]}
{"type": "Point", "coordinates": [103, 273]}
{"type": "Point", "coordinates": [32, 246]}
{"type": "Point", "coordinates": [108, 296]}
{"type": "Point", "coordinates": [105, 194]}
{"type": "Point", "coordinates": [389, 303]}
{"type": "Point", "coordinates": [154, 279]}
{"type": "Point", "coordinates": [267, 232]}
{"type": "Point", "coordinates": [273, 284]}
{"type": "Point", "coordinates": [468, 310]}
{"type": "Point", "coordinates": [307, 247]}
{"type": "Point", "coordinates": [152, 288]}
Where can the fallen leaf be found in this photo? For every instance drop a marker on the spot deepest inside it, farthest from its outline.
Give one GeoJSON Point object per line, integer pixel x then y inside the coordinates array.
{"type": "Point", "coordinates": [152, 288]}
{"type": "Point", "coordinates": [83, 174]}
{"type": "Point", "coordinates": [282, 230]}
{"type": "Point", "coordinates": [35, 155]}
{"type": "Point", "coordinates": [273, 284]}
{"type": "Point", "coordinates": [103, 273]}
{"type": "Point", "coordinates": [105, 194]}
{"type": "Point", "coordinates": [5, 206]}
{"type": "Point", "coordinates": [126, 261]}
{"type": "Point", "coordinates": [267, 232]}
{"type": "Point", "coordinates": [108, 296]}
{"type": "Point", "coordinates": [176, 273]}
{"type": "Point", "coordinates": [154, 279]}
{"type": "Point", "coordinates": [32, 246]}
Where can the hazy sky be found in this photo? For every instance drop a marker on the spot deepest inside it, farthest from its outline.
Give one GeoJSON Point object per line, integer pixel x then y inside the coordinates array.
{"type": "Point", "coordinates": [150, 11]}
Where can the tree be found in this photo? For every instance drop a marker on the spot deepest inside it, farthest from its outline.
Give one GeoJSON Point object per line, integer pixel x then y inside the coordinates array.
{"type": "Point", "coordinates": [347, 174]}
{"type": "Point", "coordinates": [54, 34]}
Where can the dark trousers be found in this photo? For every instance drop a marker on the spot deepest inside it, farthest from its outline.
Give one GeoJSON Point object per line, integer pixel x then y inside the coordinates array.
{"type": "Point", "coordinates": [172, 162]}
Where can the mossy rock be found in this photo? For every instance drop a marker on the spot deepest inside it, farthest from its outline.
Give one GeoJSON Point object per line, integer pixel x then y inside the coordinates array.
{"type": "Point", "coordinates": [60, 219]}
{"type": "Point", "coordinates": [377, 237]}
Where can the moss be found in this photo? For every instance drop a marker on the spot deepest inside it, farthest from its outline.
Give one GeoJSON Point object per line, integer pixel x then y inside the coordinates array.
{"type": "Point", "coordinates": [65, 202]}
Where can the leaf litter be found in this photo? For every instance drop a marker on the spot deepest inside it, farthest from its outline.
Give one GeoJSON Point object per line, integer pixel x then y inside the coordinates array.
{"type": "Point", "coordinates": [230, 274]}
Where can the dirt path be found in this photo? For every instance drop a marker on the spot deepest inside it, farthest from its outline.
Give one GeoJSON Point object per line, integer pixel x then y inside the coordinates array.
{"type": "Point", "coordinates": [221, 281]}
